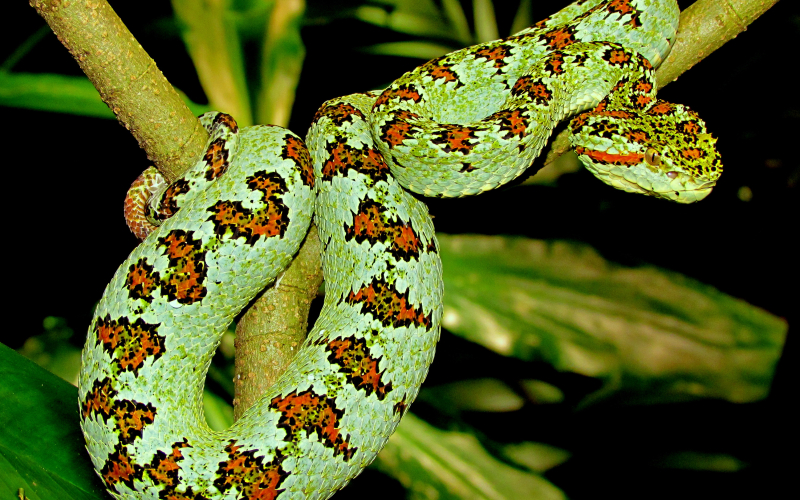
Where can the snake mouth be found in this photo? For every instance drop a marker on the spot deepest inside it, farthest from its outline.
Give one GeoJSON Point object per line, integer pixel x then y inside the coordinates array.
{"type": "Point", "coordinates": [681, 194]}
{"type": "Point", "coordinates": [687, 194]}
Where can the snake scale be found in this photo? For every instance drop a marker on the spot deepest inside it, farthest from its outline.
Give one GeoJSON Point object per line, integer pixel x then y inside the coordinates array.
{"type": "Point", "coordinates": [458, 125]}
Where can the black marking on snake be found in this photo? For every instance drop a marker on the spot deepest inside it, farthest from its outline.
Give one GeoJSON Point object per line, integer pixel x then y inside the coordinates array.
{"type": "Point", "coordinates": [371, 224]}
{"type": "Point", "coordinates": [250, 474]}
{"type": "Point", "coordinates": [402, 92]}
{"type": "Point", "coordinates": [129, 344]}
{"type": "Point", "coordinates": [342, 157]}
{"type": "Point", "coordinates": [131, 418]}
{"type": "Point", "coordinates": [216, 159]}
{"type": "Point", "coordinates": [99, 400]}
{"type": "Point", "coordinates": [308, 413]}
{"type": "Point", "coordinates": [440, 69]}
{"type": "Point", "coordinates": [554, 64]}
{"type": "Point", "coordinates": [142, 280]}
{"type": "Point", "coordinates": [623, 8]}
{"type": "Point", "coordinates": [296, 150]}
{"type": "Point", "coordinates": [512, 123]}
{"type": "Point", "coordinates": [163, 470]}
{"type": "Point", "coordinates": [495, 54]}
{"type": "Point", "coordinates": [232, 219]}
{"type": "Point", "coordinates": [559, 37]}
{"type": "Point", "coordinates": [120, 468]}
{"type": "Point", "coordinates": [226, 120]}
{"type": "Point", "coordinates": [184, 280]}
{"type": "Point", "coordinates": [339, 113]}
{"type": "Point", "coordinates": [387, 305]}
{"type": "Point", "coordinates": [360, 367]}
{"type": "Point", "coordinates": [455, 138]}
{"type": "Point", "coordinates": [467, 168]}
{"type": "Point", "coordinates": [401, 407]}
{"type": "Point", "coordinates": [580, 59]}
{"type": "Point", "coordinates": [271, 184]}
{"type": "Point", "coordinates": [170, 200]}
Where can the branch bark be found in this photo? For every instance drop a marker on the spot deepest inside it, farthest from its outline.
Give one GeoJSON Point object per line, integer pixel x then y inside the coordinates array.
{"type": "Point", "coordinates": [128, 80]}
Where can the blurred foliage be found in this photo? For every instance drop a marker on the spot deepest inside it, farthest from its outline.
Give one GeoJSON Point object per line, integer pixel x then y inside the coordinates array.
{"type": "Point", "coordinates": [640, 335]}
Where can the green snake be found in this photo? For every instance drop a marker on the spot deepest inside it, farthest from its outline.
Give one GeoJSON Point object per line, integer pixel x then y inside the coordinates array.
{"type": "Point", "coordinates": [458, 125]}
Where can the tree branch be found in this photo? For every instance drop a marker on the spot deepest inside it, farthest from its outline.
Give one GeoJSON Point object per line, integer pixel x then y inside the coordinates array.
{"type": "Point", "coordinates": [128, 80]}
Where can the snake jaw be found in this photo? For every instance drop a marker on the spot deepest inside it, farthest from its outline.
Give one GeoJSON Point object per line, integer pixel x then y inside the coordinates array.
{"type": "Point", "coordinates": [679, 187]}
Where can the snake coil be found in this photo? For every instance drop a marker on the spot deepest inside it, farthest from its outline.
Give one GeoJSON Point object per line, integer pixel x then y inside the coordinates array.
{"type": "Point", "coordinates": [458, 125]}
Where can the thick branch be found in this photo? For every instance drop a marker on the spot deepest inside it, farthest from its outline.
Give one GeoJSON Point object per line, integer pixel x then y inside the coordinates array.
{"type": "Point", "coordinates": [706, 26]}
{"type": "Point", "coordinates": [128, 80]}
{"type": "Point", "coordinates": [271, 331]}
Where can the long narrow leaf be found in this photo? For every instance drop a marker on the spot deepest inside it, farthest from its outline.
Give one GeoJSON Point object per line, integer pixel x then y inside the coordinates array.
{"type": "Point", "coordinates": [458, 20]}
{"type": "Point", "coordinates": [523, 17]}
{"type": "Point", "coordinates": [485, 22]}
{"type": "Point", "coordinates": [210, 34]}
{"type": "Point", "coordinates": [61, 94]}
{"type": "Point", "coordinates": [420, 50]}
{"type": "Point", "coordinates": [403, 22]}
{"type": "Point", "coordinates": [51, 92]}
{"type": "Point", "coordinates": [281, 62]}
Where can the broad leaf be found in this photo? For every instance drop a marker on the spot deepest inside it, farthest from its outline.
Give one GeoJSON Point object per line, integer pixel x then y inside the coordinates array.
{"type": "Point", "coordinates": [651, 332]}
{"type": "Point", "coordinates": [432, 463]}
{"type": "Point", "coordinates": [41, 446]}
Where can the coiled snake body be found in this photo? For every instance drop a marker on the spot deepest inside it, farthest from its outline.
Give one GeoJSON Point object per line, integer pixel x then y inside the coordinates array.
{"type": "Point", "coordinates": [458, 125]}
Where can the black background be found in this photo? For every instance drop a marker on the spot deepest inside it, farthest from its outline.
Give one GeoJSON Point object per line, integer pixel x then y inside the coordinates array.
{"type": "Point", "coordinates": [64, 236]}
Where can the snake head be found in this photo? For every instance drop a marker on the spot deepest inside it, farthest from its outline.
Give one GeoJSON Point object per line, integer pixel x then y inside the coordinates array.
{"type": "Point", "coordinates": [663, 151]}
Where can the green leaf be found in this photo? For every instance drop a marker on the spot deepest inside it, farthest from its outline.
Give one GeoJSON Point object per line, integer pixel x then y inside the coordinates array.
{"type": "Point", "coordinates": [219, 414]}
{"type": "Point", "coordinates": [523, 17]}
{"type": "Point", "coordinates": [485, 22]}
{"type": "Point", "coordinates": [693, 460]}
{"type": "Point", "coordinates": [537, 457]}
{"type": "Point", "coordinates": [403, 21]}
{"type": "Point", "coordinates": [41, 445]}
{"type": "Point", "coordinates": [60, 94]}
{"type": "Point", "coordinates": [648, 331]}
{"type": "Point", "coordinates": [436, 464]}
{"type": "Point", "coordinates": [421, 50]}
{"type": "Point", "coordinates": [458, 20]}
{"type": "Point", "coordinates": [51, 92]}
{"type": "Point", "coordinates": [485, 394]}
{"type": "Point", "coordinates": [209, 30]}
{"type": "Point", "coordinates": [282, 55]}
{"type": "Point", "coordinates": [24, 48]}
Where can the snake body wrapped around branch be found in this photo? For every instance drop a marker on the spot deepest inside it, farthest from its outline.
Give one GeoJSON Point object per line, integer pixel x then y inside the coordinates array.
{"type": "Point", "coordinates": [458, 125]}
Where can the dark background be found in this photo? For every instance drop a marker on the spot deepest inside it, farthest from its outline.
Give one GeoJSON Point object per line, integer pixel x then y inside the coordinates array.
{"type": "Point", "coordinates": [64, 236]}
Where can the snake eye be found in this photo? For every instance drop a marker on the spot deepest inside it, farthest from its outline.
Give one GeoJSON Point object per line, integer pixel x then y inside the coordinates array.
{"type": "Point", "coordinates": [652, 157]}
{"type": "Point", "coordinates": [672, 175]}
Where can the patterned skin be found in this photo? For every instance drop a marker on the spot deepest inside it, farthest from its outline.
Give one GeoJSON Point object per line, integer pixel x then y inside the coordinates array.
{"type": "Point", "coordinates": [215, 238]}
{"type": "Point", "coordinates": [475, 119]}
